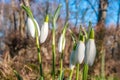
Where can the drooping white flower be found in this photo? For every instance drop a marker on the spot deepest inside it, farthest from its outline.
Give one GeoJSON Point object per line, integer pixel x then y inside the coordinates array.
{"type": "Point", "coordinates": [80, 52]}
{"type": "Point", "coordinates": [72, 60]}
{"type": "Point", "coordinates": [61, 43]}
{"type": "Point", "coordinates": [44, 30]}
{"type": "Point", "coordinates": [90, 52]}
{"type": "Point", "coordinates": [90, 49]}
{"type": "Point", "coordinates": [62, 40]}
{"type": "Point", "coordinates": [31, 27]}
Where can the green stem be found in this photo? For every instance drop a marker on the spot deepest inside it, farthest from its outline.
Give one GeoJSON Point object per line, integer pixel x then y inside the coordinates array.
{"type": "Point", "coordinates": [71, 73]}
{"type": "Point", "coordinates": [61, 65]}
{"type": "Point", "coordinates": [38, 49]}
{"type": "Point", "coordinates": [77, 72]}
{"type": "Point", "coordinates": [85, 72]}
{"type": "Point", "coordinates": [53, 53]}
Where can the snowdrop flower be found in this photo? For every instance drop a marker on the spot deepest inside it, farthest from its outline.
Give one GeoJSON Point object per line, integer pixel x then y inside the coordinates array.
{"type": "Point", "coordinates": [31, 27]}
{"type": "Point", "coordinates": [90, 49]}
{"type": "Point", "coordinates": [80, 50]}
{"type": "Point", "coordinates": [61, 43]}
{"type": "Point", "coordinates": [44, 30]}
{"type": "Point", "coordinates": [62, 40]}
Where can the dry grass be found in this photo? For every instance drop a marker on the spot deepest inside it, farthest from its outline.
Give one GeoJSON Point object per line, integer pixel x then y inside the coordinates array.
{"type": "Point", "coordinates": [21, 55]}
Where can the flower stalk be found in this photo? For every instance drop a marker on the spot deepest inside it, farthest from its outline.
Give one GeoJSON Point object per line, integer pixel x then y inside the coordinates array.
{"type": "Point", "coordinates": [62, 45]}
{"type": "Point", "coordinates": [55, 17]}
{"type": "Point", "coordinates": [85, 72]}
{"type": "Point", "coordinates": [29, 13]}
{"type": "Point", "coordinates": [71, 73]}
{"type": "Point", "coordinates": [77, 71]}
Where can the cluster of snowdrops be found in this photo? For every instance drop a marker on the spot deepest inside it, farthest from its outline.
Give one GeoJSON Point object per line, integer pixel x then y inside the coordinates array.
{"type": "Point", "coordinates": [84, 48]}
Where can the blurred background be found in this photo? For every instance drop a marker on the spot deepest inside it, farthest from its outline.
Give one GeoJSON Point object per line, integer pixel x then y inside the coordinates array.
{"type": "Point", "coordinates": [105, 18]}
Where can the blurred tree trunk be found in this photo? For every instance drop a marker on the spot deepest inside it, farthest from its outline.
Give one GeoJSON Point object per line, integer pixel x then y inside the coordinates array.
{"type": "Point", "coordinates": [22, 18]}
{"type": "Point", "coordinates": [22, 23]}
{"type": "Point", "coordinates": [1, 14]}
{"type": "Point", "coordinates": [103, 4]}
{"type": "Point", "coordinates": [13, 16]}
{"type": "Point", "coordinates": [26, 2]}
{"type": "Point", "coordinates": [118, 16]}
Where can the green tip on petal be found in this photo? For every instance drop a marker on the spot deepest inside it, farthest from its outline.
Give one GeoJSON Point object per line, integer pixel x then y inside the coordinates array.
{"type": "Point", "coordinates": [92, 34]}
{"type": "Point", "coordinates": [47, 18]}
{"type": "Point", "coordinates": [82, 38]}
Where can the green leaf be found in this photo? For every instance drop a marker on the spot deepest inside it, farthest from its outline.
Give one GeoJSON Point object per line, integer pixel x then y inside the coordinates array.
{"type": "Point", "coordinates": [57, 13]}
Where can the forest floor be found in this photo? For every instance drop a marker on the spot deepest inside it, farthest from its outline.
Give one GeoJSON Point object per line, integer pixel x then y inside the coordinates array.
{"type": "Point", "coordinates": [21, 55]}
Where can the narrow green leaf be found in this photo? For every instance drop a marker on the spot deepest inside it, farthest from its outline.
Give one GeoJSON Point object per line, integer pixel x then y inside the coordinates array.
{"type": "Point", "coordinates": [57, 12]}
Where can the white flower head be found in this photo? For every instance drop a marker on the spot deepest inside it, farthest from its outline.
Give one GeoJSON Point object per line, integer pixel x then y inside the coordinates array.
{"type": "Point", "coordinates": [90, 49]}
{"type": "Point", "coordinates": [72, 60]}
{"type": "Point", "coordinates": [31, 27]}
{"type": "Point", "coordinates": [90, 52]}
{"type": "Point", "coordinates": [61, 43]}
{"type": "Point", "coordinates": [44, 32]}
{"type": "Point", "coordinates": [80, 52]}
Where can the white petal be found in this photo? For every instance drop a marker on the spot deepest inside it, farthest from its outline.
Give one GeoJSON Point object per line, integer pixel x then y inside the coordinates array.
{"type": "Point", "coordinates": [80, 52]}
{"type": "Point", "coordinates": [61, 43]}
{"type": "Point", "coordinates": [72, 60]}
{"type": "Point", "coordinates": [31, 28]}
{"type": "Point", "coordinates": [90, 52]}
{"type": "Point", "coordinates": [44, 32]}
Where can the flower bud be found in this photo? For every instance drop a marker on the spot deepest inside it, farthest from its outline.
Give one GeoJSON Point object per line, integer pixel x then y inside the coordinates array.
{"type": "Point", "coordinates": [90, 49]}
{"type": "Point", "coordinates": [80, 52]}
{"type": "Point", "coordinates": [31, 27]}
{"type": "Point", "coordinates": [61, 43]}
{"type": "Point", "coordinates": [44, 30]}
